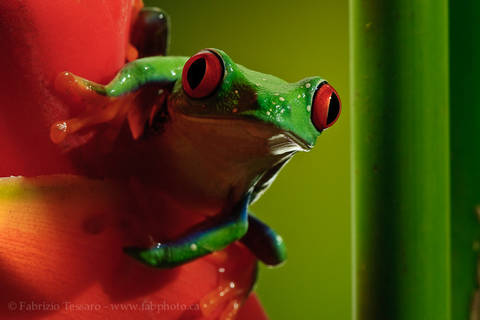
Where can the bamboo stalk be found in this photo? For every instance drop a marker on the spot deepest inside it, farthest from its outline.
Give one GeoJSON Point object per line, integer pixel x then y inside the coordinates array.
{"type": "Point", "coordinates": [400, 159]}
{"type": "Point", "coordinates": [465, 156]}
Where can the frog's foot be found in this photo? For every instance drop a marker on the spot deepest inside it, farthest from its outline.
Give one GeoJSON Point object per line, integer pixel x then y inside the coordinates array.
{"type": "Point", "coordinates": [138, 107]}
{"type": "Point", "coordinates": [228, 293]}
{"type": "Point", "coordinates": [237, 273]}
{"type": "Point", "coordinates": [150, 33]}
{"type": "Point", "coordinates": [100, 108]}
{"type": "Point", "coordinates": [264, 242]}
{"type": "Point", "coordinates": [196, 244]}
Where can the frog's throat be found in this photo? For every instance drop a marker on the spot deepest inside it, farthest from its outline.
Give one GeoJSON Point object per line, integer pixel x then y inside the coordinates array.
{"type": "Point", "coordinates": [287, 142]}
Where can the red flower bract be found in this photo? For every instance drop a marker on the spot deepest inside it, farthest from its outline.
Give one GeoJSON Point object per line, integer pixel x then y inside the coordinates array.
{"type": "Point", "coordinates": [60, 247]}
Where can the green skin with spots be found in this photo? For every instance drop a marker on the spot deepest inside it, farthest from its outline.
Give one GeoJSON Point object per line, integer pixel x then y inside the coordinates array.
{"type": "Point", "coordinates": [264, 102]}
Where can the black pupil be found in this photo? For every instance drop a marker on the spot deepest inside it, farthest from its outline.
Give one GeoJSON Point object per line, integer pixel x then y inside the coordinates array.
{"type": "Point", "coordinates": [333, 109]}
{"type": "Point", "coordinates": [196, 72]}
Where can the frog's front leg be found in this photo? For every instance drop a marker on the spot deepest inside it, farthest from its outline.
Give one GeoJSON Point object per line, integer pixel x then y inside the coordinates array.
{"type": "Point", "coordinates": [121, 98]}
{"type": "Point", "coordinates": [198, 244]}
{"type": "Point", "coordinates": [264, 242]}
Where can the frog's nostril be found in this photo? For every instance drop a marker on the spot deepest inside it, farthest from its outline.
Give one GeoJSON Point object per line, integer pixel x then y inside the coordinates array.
{"type": "Point", "coordinates": [196, 73]}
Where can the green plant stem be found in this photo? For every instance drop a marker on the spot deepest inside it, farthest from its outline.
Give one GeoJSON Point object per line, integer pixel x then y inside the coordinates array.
{"type": "Point", "coordinates": [465, 151]}
{"type": "Point", "coordinates": [400, 164]}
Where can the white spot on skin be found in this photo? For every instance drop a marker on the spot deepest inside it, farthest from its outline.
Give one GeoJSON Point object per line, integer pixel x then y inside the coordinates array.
{"type": "Point", "coordinates": [264, 79]}
{"type": "Point", "coordinates": [221, 270]}
{"type": "Point", "coordinates": [308, 85]}
{"type": "Point", "coordinates": [235, 305]}
{"type": "Point", "coordinates": [268, 113]}
{"type": "Point", "coordinates": [173, 73]}
{"type": "Point", "coordinates": [232, 284]}
{"type": "Point", "coordinates": [281, 111]}
{"type": "Point", "coordinates": [299, 96]}
{"type": "Point", "coordinates": [281, 99]}
{"type": "Point", "coordinates": [193, 246]}
{"type": "Point", "coordinates": [221, 294]}
{"type": "Point", "coordinates": [309, 107]}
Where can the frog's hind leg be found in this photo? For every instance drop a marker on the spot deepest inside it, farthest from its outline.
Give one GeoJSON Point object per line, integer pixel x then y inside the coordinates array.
{"type": "Point", "coordinates": [198, 244]}
{"type": "Point", "coordinates": [235, 282]}
{"type": "Point", "coordinates": [99, 107]}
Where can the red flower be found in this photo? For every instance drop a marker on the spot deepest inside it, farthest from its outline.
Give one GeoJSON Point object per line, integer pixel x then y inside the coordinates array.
{"type": "Point", "coordinates": [61, 236]}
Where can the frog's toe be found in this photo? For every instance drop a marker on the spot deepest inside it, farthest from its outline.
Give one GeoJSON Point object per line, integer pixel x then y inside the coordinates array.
{"type": "Point", "coordinates": [78, 89]}
{"type": "Point", "coordinates": [236, 277]}
{"type": "Point", "coordinates": [74, 89]}
{"type": "Point", "coordinates": [99, 108]}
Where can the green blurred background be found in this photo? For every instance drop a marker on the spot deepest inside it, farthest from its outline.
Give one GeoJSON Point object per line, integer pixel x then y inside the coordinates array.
{"type": "Point", "coordinates": [309, 203]}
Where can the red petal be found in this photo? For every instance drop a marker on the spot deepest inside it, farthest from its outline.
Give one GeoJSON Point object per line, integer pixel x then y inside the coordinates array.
{"type": "Point", "coordinates": [40, 39]}
{"type": "Point", "coordinates": [64, 252]}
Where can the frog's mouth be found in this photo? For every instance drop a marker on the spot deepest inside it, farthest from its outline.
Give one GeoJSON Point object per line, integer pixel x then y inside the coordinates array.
{"type": "Point", "coordinates": [287, 142]}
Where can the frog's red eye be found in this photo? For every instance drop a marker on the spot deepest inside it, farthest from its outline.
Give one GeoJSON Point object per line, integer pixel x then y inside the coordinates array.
{"type": "Point", "coordinates": [326, 107]}
{"type": "Point", "coordinates": [202, 74]}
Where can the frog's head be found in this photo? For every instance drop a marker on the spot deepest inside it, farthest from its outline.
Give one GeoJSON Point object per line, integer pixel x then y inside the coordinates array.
{"type": "Point", "coordinates": [215, 87]}
{"type": "Point", "coordinates": [230, 126]}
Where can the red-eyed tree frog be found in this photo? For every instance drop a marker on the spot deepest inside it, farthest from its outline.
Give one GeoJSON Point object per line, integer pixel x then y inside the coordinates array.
{"type": "Point", "coordinates": [206, 132]}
